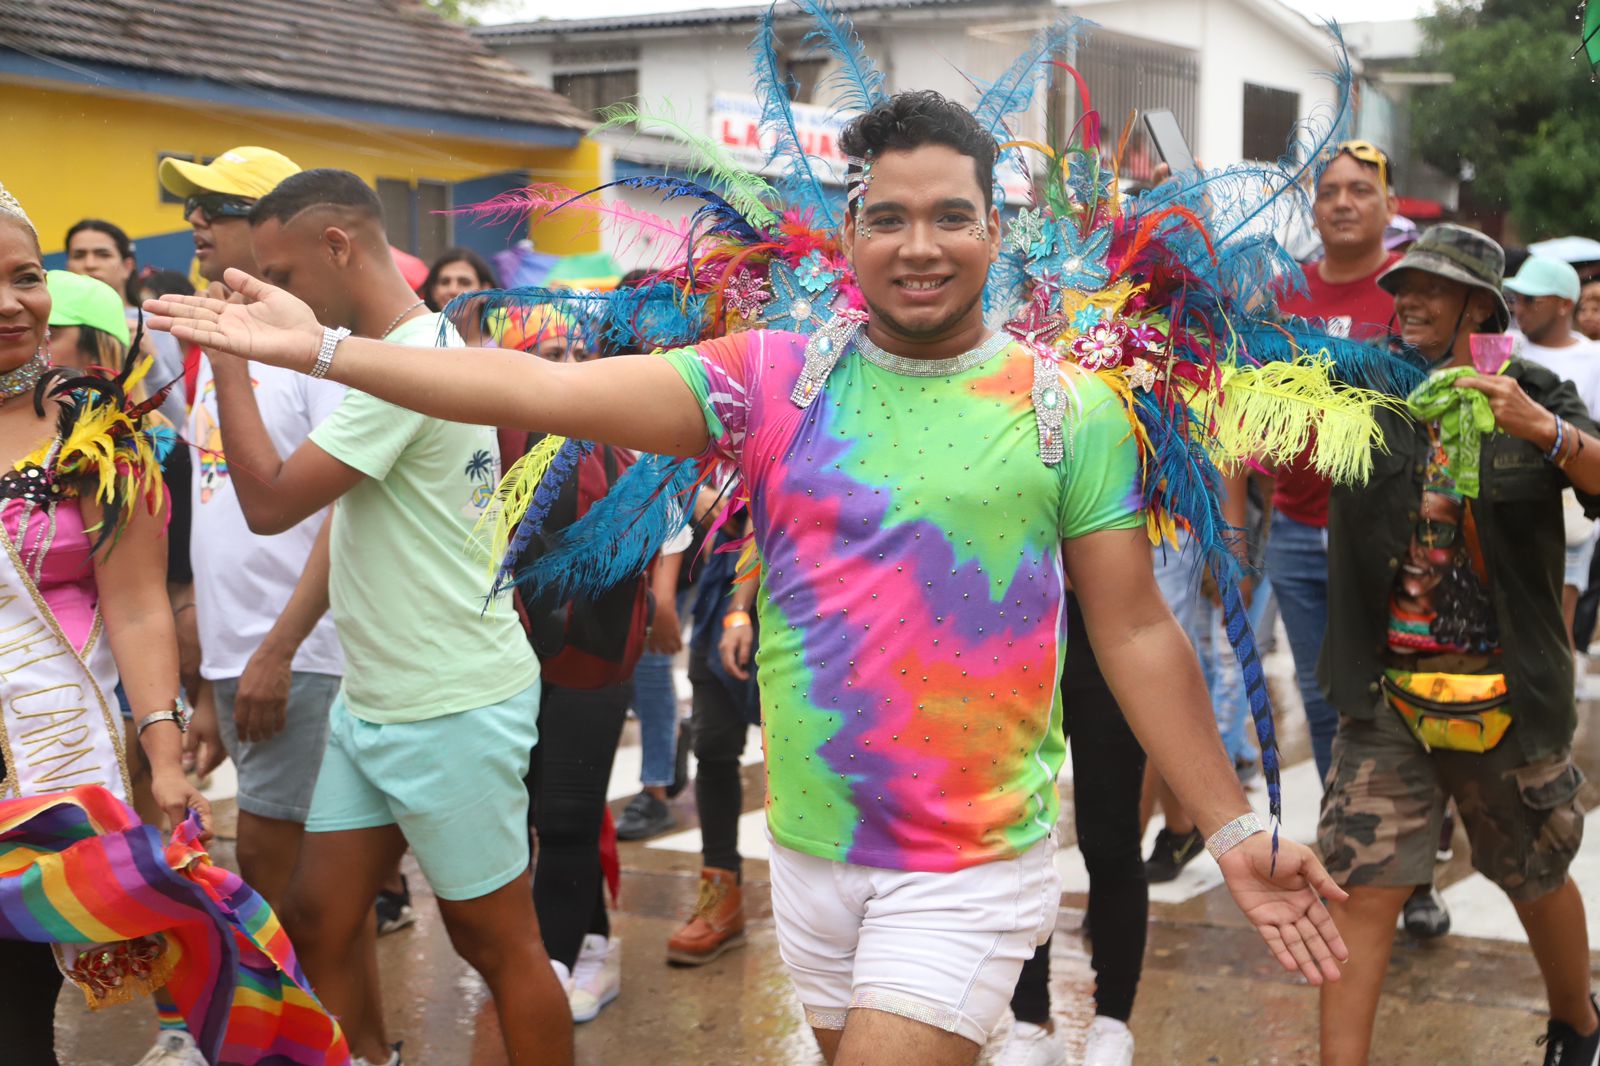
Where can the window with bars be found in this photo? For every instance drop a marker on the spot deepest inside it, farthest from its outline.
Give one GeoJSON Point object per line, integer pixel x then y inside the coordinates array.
{"type": "Point", "coordinates": [1125, 78]}
{"type": "Point", "coordinates": [804, 75]}
{"type": "Point", "coordinates": [594, 90]}
{"type": "Point", "coordinates": [1269, 118]}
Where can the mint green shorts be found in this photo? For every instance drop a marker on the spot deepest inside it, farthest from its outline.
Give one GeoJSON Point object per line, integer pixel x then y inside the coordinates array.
{"type": "Point", "coordinates": [452, 784]}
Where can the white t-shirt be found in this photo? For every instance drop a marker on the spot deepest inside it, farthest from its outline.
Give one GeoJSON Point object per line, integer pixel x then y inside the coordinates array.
{"type": "Point", "coordinates": [242, 581]}
{"type": "Point", "coordinates": [1578, 363]}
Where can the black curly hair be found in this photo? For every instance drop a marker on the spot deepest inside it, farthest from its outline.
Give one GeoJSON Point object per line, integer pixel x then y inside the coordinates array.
{"type": "Point", "coordinates": [912, 119]}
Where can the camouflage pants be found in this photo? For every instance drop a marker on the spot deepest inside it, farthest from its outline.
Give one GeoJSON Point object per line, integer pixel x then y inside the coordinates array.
{"type": "Point", "coordinates": [1386, 797]}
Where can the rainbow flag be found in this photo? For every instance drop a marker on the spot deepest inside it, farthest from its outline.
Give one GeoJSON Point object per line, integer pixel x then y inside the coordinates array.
{"type": "Point", "coordinates": [80, 868]}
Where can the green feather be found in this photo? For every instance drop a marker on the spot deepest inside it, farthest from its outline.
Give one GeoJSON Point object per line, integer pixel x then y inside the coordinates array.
{"type": "Point", "coordinates": [748, 193]}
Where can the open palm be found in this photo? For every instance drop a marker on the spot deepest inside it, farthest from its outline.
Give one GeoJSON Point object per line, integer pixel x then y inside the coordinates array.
{"type": "Point", "coordinates": [260, 322]}
{"type": "Point", "coordinates": [1284, 903]}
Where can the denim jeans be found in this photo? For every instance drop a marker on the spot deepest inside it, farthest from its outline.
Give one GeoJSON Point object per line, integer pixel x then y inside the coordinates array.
{"type": "Point", "coordinates": [655, 704]}
{"type": "Point", "coordinates": [1297, 560]}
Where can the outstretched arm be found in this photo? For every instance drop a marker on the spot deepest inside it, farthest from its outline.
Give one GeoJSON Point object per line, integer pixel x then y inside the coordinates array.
{"type": "Point", "coordinates": [275, 494]}
{"type": "Point", "coordinates": [637, 402]}
{"type": "Point", "coordinates": [1151, 669]}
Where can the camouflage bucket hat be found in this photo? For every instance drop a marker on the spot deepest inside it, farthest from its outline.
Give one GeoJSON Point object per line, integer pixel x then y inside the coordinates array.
{"type": "Point", "coordinates": [1460, 254]}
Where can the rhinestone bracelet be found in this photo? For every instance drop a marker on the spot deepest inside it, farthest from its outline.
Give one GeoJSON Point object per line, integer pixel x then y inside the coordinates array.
{"type": "Point", "coordinates": [330, 341]}
{"type": "Point", "coordinates": [1233, 834]}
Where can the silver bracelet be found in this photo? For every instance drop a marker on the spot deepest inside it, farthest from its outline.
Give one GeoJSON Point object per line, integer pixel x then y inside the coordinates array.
{"type": "Point", "coordinates": [178, 715]}
{"type": "Point", "coordinates": [330, 341]}
{"type": "Point", "coordinates": [1233, 834]}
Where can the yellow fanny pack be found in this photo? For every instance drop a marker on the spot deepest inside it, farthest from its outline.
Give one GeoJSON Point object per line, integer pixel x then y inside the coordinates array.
{"type": "Point", "coordinates": [1453, 712]}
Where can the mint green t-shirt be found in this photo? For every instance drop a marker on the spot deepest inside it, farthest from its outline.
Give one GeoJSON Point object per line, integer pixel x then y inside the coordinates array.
{"type": "Point", "coordinates": [406, 590]}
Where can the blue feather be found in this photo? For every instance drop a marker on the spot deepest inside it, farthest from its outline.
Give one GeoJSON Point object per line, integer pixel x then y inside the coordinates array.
{"type": "Point", "coordinates": [801, 189]}
{"type": "Point", "coordinates": [1012, 93]}
{"type": "Point", "coordinates": [858, 83]}
{"type": "Point", "coordinates": [567, 458]}
{"type": "Point", "coordinates": [1236, 623]}
{"type": "Point", "coordinates": [1246, 204]}
{"type": "Point", "coordinates": [1187, 484]}
{"type": "Point", "coordinates": [1366, 365]}
{"type": "Point", "coordinates": [619, 535]}
{"type": "Point", "coordinates": [725, 218]}
{"type": "Point", "coordinates": [637, 319]}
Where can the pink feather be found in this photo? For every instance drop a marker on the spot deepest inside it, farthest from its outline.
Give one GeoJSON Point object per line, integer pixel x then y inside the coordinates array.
{"type": "Point", "coordinates": [538, 202]}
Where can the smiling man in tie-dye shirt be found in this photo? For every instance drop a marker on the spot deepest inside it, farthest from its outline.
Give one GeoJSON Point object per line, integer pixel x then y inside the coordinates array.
{"type": "Point", "coordinates": [915, 553]}
{"type": "Point", "coordinates": [912, 622]}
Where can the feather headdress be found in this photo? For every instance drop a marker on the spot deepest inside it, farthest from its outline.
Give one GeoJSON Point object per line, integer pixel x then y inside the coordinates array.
{"type": "Point", "coordinates": [1169, 297]}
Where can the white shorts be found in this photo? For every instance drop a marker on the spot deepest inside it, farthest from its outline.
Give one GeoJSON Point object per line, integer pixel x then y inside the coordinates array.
{"type": "Point", "coordinates": [944, 949]}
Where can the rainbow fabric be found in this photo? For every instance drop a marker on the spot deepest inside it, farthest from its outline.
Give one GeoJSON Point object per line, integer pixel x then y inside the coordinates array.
{"type": "Point", "coordinates": [79, 867]}
{"type": "Point", "coordinates": [913, 599]}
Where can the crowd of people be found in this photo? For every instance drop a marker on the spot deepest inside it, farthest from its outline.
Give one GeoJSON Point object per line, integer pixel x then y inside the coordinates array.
{"type": "Point", "coordinates": [342, 440]}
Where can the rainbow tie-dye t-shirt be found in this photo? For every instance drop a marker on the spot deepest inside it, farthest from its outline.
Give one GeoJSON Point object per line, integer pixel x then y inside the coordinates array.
{"type": "Point", "coordinates": [913, 600]}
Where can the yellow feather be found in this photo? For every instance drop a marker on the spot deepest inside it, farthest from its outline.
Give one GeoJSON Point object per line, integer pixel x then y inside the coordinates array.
{"type": "Point", "coordinates": [1275, 411]}
{"type": "Point", "coordinates": [512, 497]}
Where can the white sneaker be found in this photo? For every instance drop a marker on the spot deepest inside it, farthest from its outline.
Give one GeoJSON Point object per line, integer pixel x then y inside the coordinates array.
{"type": "Point", "coordinates": [596, 976]}
{"type": "Point", "coordinates": [1109, 1044]}
{"type": "Point", "coordinates": [392, 1060]}
{"type": "Point", "coordinates": [1031, 1045]}
{"type": "Point", "coordinates": [173, 1047]}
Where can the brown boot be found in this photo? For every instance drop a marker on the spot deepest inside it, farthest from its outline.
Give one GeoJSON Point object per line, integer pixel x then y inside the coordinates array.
{"type": "Point", "coordinates": [717, 923]}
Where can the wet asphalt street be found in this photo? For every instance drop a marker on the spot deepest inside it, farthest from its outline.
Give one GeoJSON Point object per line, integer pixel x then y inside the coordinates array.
{"type": "Point", "coordinates": [1210, 992]}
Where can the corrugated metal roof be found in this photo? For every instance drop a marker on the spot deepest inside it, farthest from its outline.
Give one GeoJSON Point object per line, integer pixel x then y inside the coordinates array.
{"type": "Point", "coordinates": [512, 32]}
{"type": "Point", "coordinates": [390, 52]}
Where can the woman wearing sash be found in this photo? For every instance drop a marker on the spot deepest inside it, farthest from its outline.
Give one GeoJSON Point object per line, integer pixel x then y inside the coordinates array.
{"type": "Point", "coordinates": [82, 593]}
{"type": "Point", "coordinates": [87, 890]}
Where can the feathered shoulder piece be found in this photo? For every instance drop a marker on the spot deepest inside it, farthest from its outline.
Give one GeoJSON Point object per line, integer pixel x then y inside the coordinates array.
{"type": "Point", "coordinates": [1170, 298]}
{"type": "Point", "coordinates": [106, 447]}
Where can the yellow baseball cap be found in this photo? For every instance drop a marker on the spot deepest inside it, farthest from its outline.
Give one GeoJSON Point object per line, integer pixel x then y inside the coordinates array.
{"type": "Point", "coordinates": [244, 171]}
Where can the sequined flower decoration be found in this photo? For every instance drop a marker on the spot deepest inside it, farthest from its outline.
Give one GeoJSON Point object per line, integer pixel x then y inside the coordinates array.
{"type": "Point", "coordinates": [815, 273]}
{"type": "Point", "coordinates": [745, 294]}
{"type": "Point", "coordinates": [1082, 260]}
{"type": "Point", "coordinates": [1025, 230]}
{"type": "Point", "coordinates": [1101, 346]}
{"type": "Point", "coordinates": [1036, 326]}
{"type": "Point", "coordinates": [1086, 318]}
{"type": "Point", "coordinates": [1147, 337]}
{"type": "Point", "coordinates": [1142, 374]}
{"type": "Point", "coordinates": [791, 306]}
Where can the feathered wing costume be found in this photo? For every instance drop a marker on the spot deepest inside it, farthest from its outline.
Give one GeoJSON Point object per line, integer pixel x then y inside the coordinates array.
{"type": "Point", "coordinates": [1168, 297]}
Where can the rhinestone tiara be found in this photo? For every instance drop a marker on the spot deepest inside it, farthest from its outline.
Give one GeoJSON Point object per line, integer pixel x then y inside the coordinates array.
{"type": "Point", "coordinates": [10, 206]}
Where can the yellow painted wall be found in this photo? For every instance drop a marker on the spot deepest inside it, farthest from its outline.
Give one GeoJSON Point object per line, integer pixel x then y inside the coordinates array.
{"type": "Point", "coordinates": [71, 154]}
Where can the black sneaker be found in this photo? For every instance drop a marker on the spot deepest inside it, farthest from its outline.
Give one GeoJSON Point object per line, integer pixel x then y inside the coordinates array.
{"type": "Point", "coordinates": [1172, 852]}
{"type": "Point", "coordinates": [394, 908]}
{"type": "Point", "coordinates": [1564, 1047]}
{"type": "Point", "coordinates": [644, 817]}
{"type": "Point", "coordinates": [1425, 915]}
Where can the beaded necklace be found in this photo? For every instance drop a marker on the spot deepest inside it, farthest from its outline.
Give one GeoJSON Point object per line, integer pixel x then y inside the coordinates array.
{"type": "Point", "coordinates": [844, 331]}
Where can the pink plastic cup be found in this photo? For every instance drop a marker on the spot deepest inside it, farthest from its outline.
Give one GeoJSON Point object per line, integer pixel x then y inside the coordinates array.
{"type": "Point", "coordinates": [1491, 351]}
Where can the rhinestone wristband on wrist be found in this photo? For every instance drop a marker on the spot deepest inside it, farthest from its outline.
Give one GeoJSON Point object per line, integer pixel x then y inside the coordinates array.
{"type": "Point", "coordinates": [1233, 834]}
{"type": "Point", "coordinates": [330, 341]}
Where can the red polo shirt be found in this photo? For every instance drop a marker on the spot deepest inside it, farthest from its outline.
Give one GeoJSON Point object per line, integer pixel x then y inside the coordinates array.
{"type": "Point", "coordinates": [1366, 310]}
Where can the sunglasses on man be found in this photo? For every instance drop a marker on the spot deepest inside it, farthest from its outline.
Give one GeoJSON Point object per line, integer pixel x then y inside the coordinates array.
{"type": "Point", "coordinates": [215, 205]}
{"type": "Point", "coordinates": [1367, 152]}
